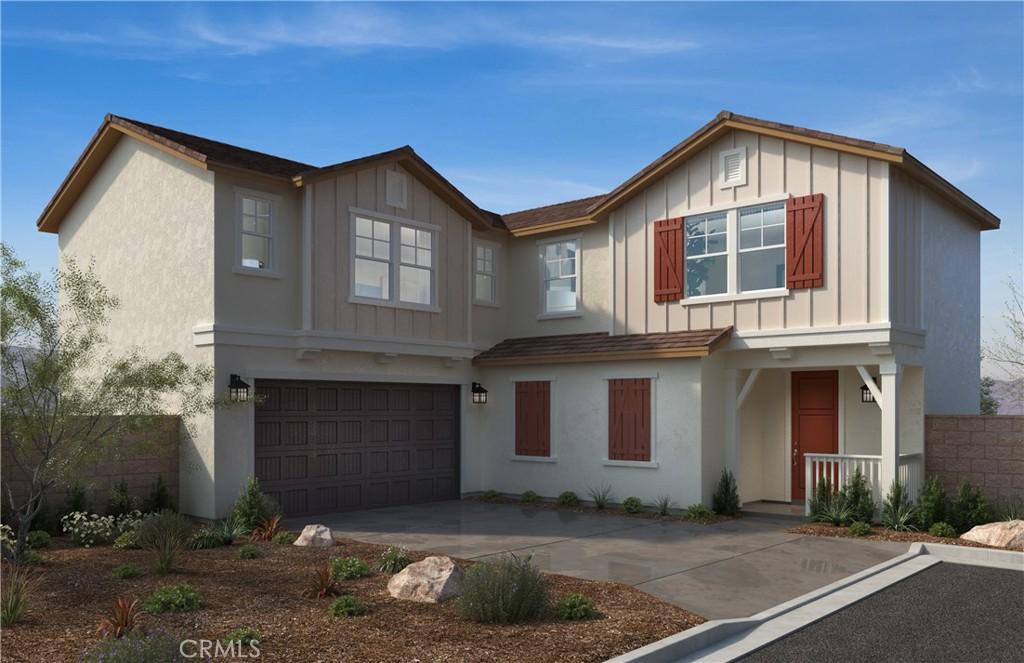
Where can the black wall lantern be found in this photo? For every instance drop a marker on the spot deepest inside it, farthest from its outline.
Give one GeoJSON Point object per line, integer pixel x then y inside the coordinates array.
{"type": "Point", "coordinates": [479, 394]}
{"type": "Point", "coordinates": [238, 389]}
{"type": "Point", "coordinates": [866, 396]}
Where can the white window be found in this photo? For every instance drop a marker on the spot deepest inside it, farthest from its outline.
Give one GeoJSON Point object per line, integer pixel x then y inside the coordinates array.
{"type": "Point", "coordinates": [485, 283]}
{"type": "Point", "coordinates": [255, 226]}
{"type": "Point", "coordinates": [560, 272]}
{"type": "Point", "coordinates": [707, 254]}
{"type": "Point", "coordinates": [393, 262]}
{"type": "Point", "coordinates": [762, 248]}
{"type": "Point", "coordinates": [732, 167]}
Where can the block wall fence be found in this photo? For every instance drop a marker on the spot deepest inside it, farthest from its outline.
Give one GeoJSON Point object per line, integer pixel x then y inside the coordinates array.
{"type": "Point", "coordinates": [988, 451]}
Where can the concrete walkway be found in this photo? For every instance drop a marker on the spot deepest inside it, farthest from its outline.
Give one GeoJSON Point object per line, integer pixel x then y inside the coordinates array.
{"type": "Point", "coordinates": [731, 569]}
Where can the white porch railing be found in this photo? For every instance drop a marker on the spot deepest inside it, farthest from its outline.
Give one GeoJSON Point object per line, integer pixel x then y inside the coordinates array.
{"type": "Point", "coordinates": [839, 467]}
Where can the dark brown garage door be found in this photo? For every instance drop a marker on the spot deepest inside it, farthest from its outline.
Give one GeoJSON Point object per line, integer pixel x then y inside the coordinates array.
{"type": "Point", "coordinates": [337, 446]}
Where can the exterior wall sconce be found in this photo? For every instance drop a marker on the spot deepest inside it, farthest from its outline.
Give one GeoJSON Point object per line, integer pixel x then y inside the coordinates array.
{"type": "Point", "coordinates": [479, 394]}
{"type": "Point", "coordinates": [865, 393]}
{"type": "Point", "coordinates": [238, 389]}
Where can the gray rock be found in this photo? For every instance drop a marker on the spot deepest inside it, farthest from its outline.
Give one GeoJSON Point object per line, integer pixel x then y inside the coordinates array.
{"type": "Point", "coordinates": [315, 536]}
{"type": "Point", "coordinates": [434, 580]}
{"type": "Point", "coordinates": [1006, 534]}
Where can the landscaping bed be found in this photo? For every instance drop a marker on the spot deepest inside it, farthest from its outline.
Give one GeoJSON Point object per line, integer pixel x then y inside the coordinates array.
{"type": "Point", "coordinates": [881, 534]}
{"type": "Point", "coordinates": [648, 513]}
{"type": "Point", "coordinates": [76, 590]}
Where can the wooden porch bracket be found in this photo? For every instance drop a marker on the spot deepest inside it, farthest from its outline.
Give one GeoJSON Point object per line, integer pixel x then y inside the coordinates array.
{"type": "Point", "coordinates": [747, 386]}
{"type": "Point", "coordinates": [869, 382]}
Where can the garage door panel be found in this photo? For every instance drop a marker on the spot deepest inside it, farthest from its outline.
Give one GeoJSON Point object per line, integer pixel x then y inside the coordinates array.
{"type": "Point", "coordinates": [398, 430]}
{"type": "Point", "coordinates": [352, 463]}
{"type": "Point", "coordinates": [295, 399]}
{"type": "Point", "coordinates": [326, 432]}
{"type": "Point", "coordinates": [327, 399]}
{"type": "Point", "coordinates": [268, 434]}
{"type": "Point", "coordinates": [326, 465]}
{"type": "Point", "coordinates": [295, 433]}
{"type": "Point", "coordinates": [377, 431]}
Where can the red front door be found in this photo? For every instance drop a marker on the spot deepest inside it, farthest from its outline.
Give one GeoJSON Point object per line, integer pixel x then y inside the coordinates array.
{"type": "Point", "coordinates": [815, 424]}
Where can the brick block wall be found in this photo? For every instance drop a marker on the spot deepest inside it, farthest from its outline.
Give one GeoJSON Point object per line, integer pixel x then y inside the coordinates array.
{"type": "Point", "coordinates": [137, 459]}
{"type": "Point", "coordinates": [988, 451]}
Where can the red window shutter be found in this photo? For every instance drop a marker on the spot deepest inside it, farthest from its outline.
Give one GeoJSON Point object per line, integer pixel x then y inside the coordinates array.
{"type": "Point", "coordinates": [668, 260]}
{"type": "Point", "coordinates": [805, 255]}
{"type": "Point", "coordinates": [533, 418]}
{"type": "Point", "coordinates": [629, 419]}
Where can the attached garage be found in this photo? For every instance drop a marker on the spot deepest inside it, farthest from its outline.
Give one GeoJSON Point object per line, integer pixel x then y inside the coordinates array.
{"type": "Point", "coordinates": [340, 446]}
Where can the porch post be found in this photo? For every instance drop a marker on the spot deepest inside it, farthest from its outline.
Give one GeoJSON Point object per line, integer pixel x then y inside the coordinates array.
{"type": "Point", "coordinates": [732, 422]}
{"type": "Point", "coordinates": [890, 374]}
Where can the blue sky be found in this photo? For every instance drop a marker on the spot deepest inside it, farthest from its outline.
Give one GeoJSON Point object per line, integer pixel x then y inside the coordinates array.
{"type": "Point", "coordinates": [518, 104]}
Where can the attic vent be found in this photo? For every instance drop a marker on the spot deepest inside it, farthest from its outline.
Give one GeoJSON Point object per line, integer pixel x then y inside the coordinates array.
{"type": "Point", "coordinates": [733, 167]}
{"type": "Point", "coordinates": [397, 188]}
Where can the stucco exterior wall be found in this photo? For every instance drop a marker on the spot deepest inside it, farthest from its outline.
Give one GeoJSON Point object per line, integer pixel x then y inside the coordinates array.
{"type": "Point", "coordinates": [147, 220]}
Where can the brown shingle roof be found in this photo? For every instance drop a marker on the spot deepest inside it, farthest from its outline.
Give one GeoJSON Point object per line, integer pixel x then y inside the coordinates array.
{"type": "Point", "coordinates": [602, 346]}
{"type": "Point", "coordinates": [541, 216]}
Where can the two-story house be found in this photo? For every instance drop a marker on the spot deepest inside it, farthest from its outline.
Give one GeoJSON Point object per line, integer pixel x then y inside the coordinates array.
{"type": "Point", "coordinates": [765, 298]}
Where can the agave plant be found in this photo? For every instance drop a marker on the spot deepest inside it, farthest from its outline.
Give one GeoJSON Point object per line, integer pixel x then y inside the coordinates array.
{"type": "Point", "coordinates": [321, 584]}
{"type": "Point", "coordinates": [898, 512]}
{"type": "Point", "coordinates": [122, 620]}
{"type": "Point", "coordinates": [266, 530]}
{"type": "Point", "coordinates": [835, 511]}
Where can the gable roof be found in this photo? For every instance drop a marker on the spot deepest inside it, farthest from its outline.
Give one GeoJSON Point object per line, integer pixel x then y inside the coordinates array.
{"type": "Point", "coordinates": [551, 217]}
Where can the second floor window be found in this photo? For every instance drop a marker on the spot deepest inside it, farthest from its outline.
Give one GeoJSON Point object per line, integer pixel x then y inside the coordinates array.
{"type": "Point", "coordinates": [707, 255]}
{"type": "Point", "coordinates": [762, 250]}
{"type": "Point", "coordinates": [484, 277]}
{"type": "Point", "coordinates": [393, 263]}
{"type": "Point", "coordinates": [560, 272]}
{"type": "Point", "coordinates": [256, 233]}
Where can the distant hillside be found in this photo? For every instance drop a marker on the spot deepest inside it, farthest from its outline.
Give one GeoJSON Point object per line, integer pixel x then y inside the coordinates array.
{"type": "Point", "coordinates": [1010, 395]}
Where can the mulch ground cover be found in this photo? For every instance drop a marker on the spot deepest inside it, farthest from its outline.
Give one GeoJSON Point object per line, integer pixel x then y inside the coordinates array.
{"type": "Point", "coordinates": [76, 590]}
{"type": "Point", "coordinates": [881, 534]}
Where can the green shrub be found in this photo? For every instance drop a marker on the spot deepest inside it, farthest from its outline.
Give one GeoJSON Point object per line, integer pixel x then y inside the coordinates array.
{"type": "Point", "coordinates": [253, 508]}
{"type": "Point", "coordinates": [393, 560]}
{"type": "Point", "coordinates": [529, 496]}
{"type": "Point", "coordinates": [121, 502]}
{"type": "Point", "coordinates": [37, 539]}
{"type": "Point", "coordinates": [31, 557]}
{"type": "Point", "coordinates": [932, 505]}
{"type": "Point", "coordinates": [159, 497]}
{"type": "Point", "coordinates": [699, 513]}
{"type": "Point", "coordinates": [244, 635]}
{"type": "Point", "coordinates": [898, 513]}
{"type": "Point", "coordinates": [18, 583]}
{"type": "Point", "coordinates": [76, 500]}
{"type": "Point", "coordinates": [167, 533]}
{"type": "Point", "coordinates": [860, 528]}
{"type": "Point", "coordinates": [600, 495]}
{"type": "Point", "coordinates": [821, 498]}
{"type": "Point", "coordinates": [127, 541]}
{"type": "Point", "coordinates": [1011, 508]}
{"type": "Point", "coordinates": [205, 538]}
{"type": "Point", "coordinates": [632, 505]}
{"type": "Point", "coordinates": [726, 499]}
{"type": "Point", "coordinates": [944, 530]}
{"type": "Point", "coordinates": [856, 496]}
{"type": "Point", "coordinates": [152, 645]}
{"type": "Point", "coordinates": [663, 505]}
{"type": "Point", "coordinates": [834, 511]}
{"type": "Point", "coordinates": [349, 568]}
{"type": "Point", "coordinates": [505, 590]}
{"type": "Point", "coordinates": [490, 495]}
{"type": "Point", "coordinates": [249, 551]}
{"type": "Point", "coordinates": [285, 538]}
{"type": "Point", "coordinates": [173, 598]}
{"type": "Point", "coordinates": [575, 607]}
{"type": "Point", "coordinates": [126, 571]}
{"type": "Point", "coordinates": [347, 606]}
{"type": "Point", "coordinates": [969, 509]}
{"type": "Point", "coordinates": [568, 498]}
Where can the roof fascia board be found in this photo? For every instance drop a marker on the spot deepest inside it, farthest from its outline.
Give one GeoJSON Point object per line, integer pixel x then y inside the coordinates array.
{"type": "Point", "coordinates": [552, 227]}
{"type": "Point", "coordinates": [673, 353]}
{"type": "Point", "coordinates": [919, 171]}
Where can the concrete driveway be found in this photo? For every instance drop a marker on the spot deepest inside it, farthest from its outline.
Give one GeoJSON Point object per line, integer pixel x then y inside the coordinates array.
{"type": "Point", "coordinates": [731, 569]}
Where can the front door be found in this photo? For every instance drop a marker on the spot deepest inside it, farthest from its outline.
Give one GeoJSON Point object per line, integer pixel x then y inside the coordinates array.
{"type": "Point", "coordinates": [815, 424]}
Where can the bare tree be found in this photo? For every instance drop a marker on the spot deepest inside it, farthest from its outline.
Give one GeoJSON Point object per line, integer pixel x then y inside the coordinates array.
{"type": "Point", "coordinates": [1007, 350]}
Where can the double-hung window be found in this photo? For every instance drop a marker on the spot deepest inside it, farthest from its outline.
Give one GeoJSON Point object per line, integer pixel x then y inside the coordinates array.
{"type": "Point", "coordinates": [393, 263]}
{"type": "Point", "coordinates": [560, 273]}
{"type": "Point", "coordinates": [415, 275]}
{"type": "Point", "coordinates": [485, 273]}
{"type": "Point", "coordinates": [762, 247]}
{"type": "Point", "coordinates": [373, 259]}
{"type": "Point", "coordinates": [255, 233]}
{"type": "Point", "coordinates": [707, 254]}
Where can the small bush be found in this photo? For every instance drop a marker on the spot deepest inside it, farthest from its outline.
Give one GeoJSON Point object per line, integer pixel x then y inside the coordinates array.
{"type": "Point", "coordinates": [122, 620]}
{"type": "Point", "coordinates": [969, 509]}
{"type": "Point", "coordinates": [285, 538]}
{"type": "Point", "coordinates": [159, 497]}
{"type": "Point", "coordinates": [490, 495]}
{"type": "Point", "coordinates": [18, 583]}
{"type": "Point", "coordinates": [393, 560]}
{"type": "Point", "coordinates": [206, 538]}
{"type": "Point", "coordinates": [138, 645]}
{"type": "Point", "coordinates": [632, 505]}
{"type": "Point", "coordinates": [249, 551]}
{"type": "Point", "coordinates": [349, 568]}
{"type": "Point", "coordinates": [268, 529]}
{"type": "Point", "coordinates": [321, 584]}
{"type": "Point", "coordinates": [600, 495]}
{"type": "Point", "coordinates": [227, 530]}
{"type": "Point", "coordinates": [575, 607]}
{"type": "Point", "coordinates": [834, 511]}
{"type": "Point", "coordinates": [167, 533]}
{"type": "Point", "coordinates": [860, 528]}
{"type": "Point", "coordinates": [898, 514]}
{"type": "Point", "coordinates": [821, 499]}
{"type": "Point", "coordinates": [253, 507]}
{"type": "Point", "coordinates": [127, 541]}
{"type": "Point", "coordinates": [347, 606]}
{"type": "Point", "coordinates": [31, 557]}
{"type": "Point", "coordinates": [88, 529]}
{"type": "Point", "coordinates": [37, 539]}
{"type": "Point", "coordinates": [529, 496]}
{"type": "Point", "coordinates": [726, 499]}
{"type": "Point", "coordinates": [173, 598]}
{"type": "Point", "coordinates": [856, 497]}
{"type": "Point", "coordinates": [663, 505]}
{"type": "Point", "coordinates": [698, 513]}
{"type": "Point", "coordinates": [76, 500]}
{"type": "Point", "coordinates": [943, 530]}
{"type": "Point", "coordinates": [505, 590]}
{"type": "Point", "coordinates": [1011, 508]}
{"type": "Point", "coordinates": [243, 635]}
{"type": "Point", "coordinates": [933, 504]}
{"type": "Point", "coordinates": [126, 571]}
{"type": "Point", "coordinates": [568, 498]}
{"type": "Point", "coordinates": [121, 502]}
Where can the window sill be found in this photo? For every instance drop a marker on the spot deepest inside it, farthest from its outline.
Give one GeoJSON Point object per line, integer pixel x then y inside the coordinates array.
{"type": "Point", "coordinates": [755, 294]}
{"type": "Point", "coordinates": [261, 273]}
{"type": "Point", "coordinates": [645, 464]}
{"type": "Point", "coordinates": [390, 304]}
{"type": "Point", "coordinates": [534, 459]}
{"type": "Point", "coordinates": [482, 302]}
{"type": "Point", "coordinates": [560, 315]}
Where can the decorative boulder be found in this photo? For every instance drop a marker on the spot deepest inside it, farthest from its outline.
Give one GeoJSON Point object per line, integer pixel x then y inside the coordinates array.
{"type": "Point", "coordinates": [1007, 534]}
{"type": "Point", "coordinates": [434, 580]}
{"type": "Point", "coordinates": [316, 536]}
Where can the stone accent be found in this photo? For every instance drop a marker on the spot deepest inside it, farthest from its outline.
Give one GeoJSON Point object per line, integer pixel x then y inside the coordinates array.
{"type": "Point", "coordinates": [1007, 534]}
{"type": "Point", "coordinates": [315, 536]}
{"type": "Point", "coordinates": [988, 451]}
{"type": "Point", "coordinates": [434, 580]}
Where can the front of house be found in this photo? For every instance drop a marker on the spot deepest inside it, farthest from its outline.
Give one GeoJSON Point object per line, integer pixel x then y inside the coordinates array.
{"type": "Point", "coordinates": [763, 298]}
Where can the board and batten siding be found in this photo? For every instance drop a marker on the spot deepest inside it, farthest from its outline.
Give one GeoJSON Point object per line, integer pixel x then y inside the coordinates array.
{"type": "Point", "coordinates": [332, 311]}
{"type": "Point", "coordinates": [855, 216]}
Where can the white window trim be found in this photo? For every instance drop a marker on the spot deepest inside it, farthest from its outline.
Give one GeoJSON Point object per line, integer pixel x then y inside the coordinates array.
{"type": "Point", "coordinates": [394, 261]}
{"type": "Point", "coordinates": [740, 151]}
{"type": "Point", "coordinates": [728, 253]}
{"type": "Point", "coordinates": [275, 205]}
{"type": "Point", "coordinates": [542, 299]}
{"type": "Point", "coordinates": [740, 251]}
{"type": "Point", "coordinates": [553, 419]}
{"type": "Point", "coordinates": [647, 464]}
{"type": "Point", "coordinates": [496, 248]}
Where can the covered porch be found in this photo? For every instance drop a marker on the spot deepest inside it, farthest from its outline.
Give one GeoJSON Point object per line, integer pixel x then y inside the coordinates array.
{"type": "Point", "coordinates": [792, 417]}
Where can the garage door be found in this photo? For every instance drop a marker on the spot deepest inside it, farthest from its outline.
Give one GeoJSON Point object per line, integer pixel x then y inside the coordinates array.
{"type": "Point", "coordinates": [337, 446]}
